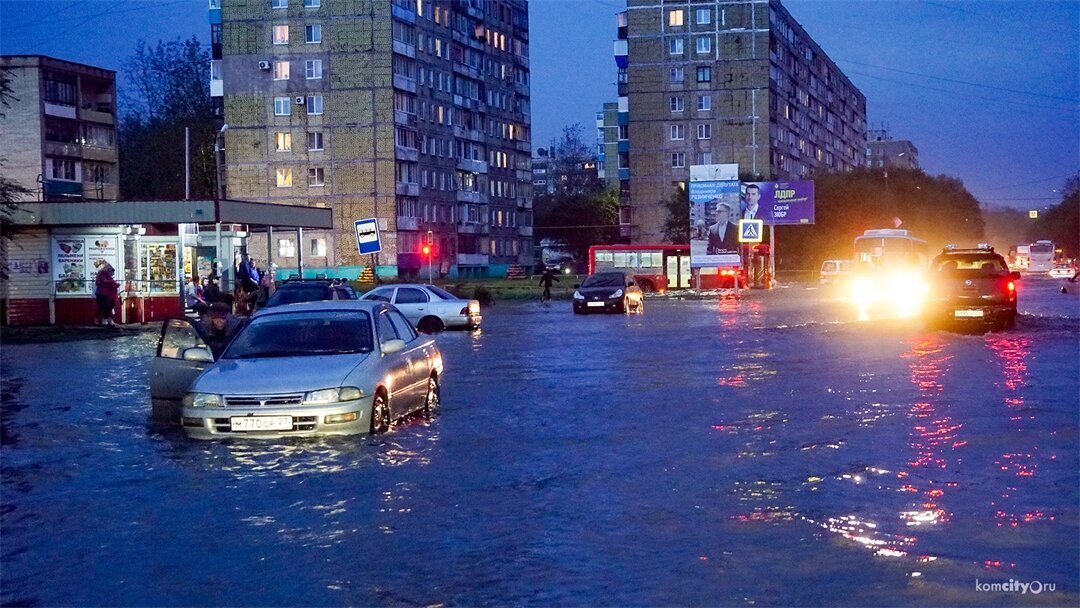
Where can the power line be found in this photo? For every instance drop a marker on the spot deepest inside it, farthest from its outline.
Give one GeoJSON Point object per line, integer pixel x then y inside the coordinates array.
{"type": "Point", "coordinates": [1036, 181]}
{"type": "Point", "coordinates": [105, 13]}
{"type": "Point", "coordinates": [971, 95]}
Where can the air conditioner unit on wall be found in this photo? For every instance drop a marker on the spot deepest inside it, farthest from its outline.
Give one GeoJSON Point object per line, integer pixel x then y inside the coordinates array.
{"type": "Point", "coordinates": [300, 100]}
{"type": "Point", "coordinates": [264, 65]}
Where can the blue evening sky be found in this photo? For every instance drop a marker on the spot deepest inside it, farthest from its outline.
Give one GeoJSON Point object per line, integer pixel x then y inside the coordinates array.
{"type": "Point", "coordinates": [988, 91]}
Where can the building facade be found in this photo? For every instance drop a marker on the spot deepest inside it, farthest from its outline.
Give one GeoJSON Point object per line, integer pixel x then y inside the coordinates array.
{"type": "Point", "coordinates": [58, 135]}
{"type": "Point", "coordinates": [414, 112]}
{"type": "Point", "coordinates": [883, 151]}
{"type": "Point", "coordinates": [711, 82]}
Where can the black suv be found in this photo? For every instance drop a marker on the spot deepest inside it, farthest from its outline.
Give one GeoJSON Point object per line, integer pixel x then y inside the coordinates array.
{"type": "Point", "coordinates": [971, 287]}
{"type": "Point", "coordinates": [310, 290]}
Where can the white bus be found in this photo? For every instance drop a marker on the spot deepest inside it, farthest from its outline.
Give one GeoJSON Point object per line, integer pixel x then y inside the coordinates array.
{"type": "Point", "coordinates": [1042, 256]}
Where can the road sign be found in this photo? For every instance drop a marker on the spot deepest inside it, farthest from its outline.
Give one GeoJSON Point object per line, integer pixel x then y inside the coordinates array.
{"type": "Point", "coordinates": [367, 236]}
{"type": "Point", "coordinates": [1033, 214]}
{"type": "Point", "coordinates": [750, 231]}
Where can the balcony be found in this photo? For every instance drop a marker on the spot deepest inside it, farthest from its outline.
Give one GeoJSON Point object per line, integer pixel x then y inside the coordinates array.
{"type": "Point", "coordinates": [55, 148]}
{"type": "Point", "coordinates": [404, 83]}
{"type": "Point", "coordinates": [408, 223]}
{"type": "Point", "coordinates": [402, 14]}
{"type": "Point", "coordinates": [406, 189]}
{"type": "Point", "coordinates": [472, 259]}
{"type": "Point", "coordinates": [404, 119]}
{"type": "Point", "coordinates": [403, 153]}
{"type": "Point", "coordinates": [101, 155]}
{"type": "Point", "coordinates": [473, 228]}
{"type": "Point", "coordinates": [467, 70]}
{"type": "Point", "coordinates": [59, 110]}
{"type": "Point", "coordinates": [217, 88]}
{"type": "Point", "coordinates": [402, 48]}
{"type": "Point", "coordinates": [525, 230]}
{"type": "Point", "coordinates": [469, 134]}
{"type": "Point", "coordinates": [466, 196]}
{"type": "Point", "coordinates": [58, 190]}
{"type": "Point", "coordinates": [472, 166]}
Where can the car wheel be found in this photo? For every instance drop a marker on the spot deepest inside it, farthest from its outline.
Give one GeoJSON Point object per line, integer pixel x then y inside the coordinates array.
{"type": "Point", "coordinates": [380, 414]}
{"type": "Point", "coordinates": [432, 399]}
{"type": "Point", "coordinates": [430, 325]}
{"type": "Point", "coordinates": [1010, 321]}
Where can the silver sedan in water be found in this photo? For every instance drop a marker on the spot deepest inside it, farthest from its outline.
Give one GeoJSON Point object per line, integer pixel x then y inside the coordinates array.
{"type": "Point", "coordinates": [318, 368]}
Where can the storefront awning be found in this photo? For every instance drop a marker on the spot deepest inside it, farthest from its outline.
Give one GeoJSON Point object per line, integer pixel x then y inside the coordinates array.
{"type": "Point", "coordinates": [172, 212]}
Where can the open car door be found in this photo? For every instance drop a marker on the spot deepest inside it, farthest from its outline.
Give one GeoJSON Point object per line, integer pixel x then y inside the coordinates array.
{"type": "Point", "coordinates": [181, 357]}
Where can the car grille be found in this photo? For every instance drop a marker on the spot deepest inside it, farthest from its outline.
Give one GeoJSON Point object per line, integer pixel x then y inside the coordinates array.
{"type": "Point", "coordinates": [300, 424]}
{"type": "Point", "coordinates": [263, 400]}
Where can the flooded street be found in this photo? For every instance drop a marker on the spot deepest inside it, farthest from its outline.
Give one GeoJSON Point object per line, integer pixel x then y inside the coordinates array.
{"type": "Point", "coordinates": [763, 451]}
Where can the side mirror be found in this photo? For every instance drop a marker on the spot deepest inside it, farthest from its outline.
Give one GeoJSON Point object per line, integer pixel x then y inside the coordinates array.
{"type": "Point", "coordinates": [392, 346]}
{"type": "Point", "coordinates": [1014, 275]}
{"type": "Point", "coordinates": [199, 354]}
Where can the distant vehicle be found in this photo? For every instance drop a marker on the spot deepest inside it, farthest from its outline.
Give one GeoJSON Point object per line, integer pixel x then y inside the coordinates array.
{"type": "Point", "coordinates": [1042, 256]}
{"type": "Point", "coordinates": [1020, 257]}
{"type": "Point", "coordinates": [1063, 271]}
{"type": "Point", "coordinates": [608, 292]}
{"type": "Point", "coordinates": [429, 308]}
{"type": "Point", "coordinates": [971, 287]}
{"type": "Point", "coordinates": [887, 272]}
{"type": "Point", "coordinates": [310, 290]}
{"type": "Point", "coordinates": [835, 271]}
{"type": "Point", "coordinates": [317, 368]}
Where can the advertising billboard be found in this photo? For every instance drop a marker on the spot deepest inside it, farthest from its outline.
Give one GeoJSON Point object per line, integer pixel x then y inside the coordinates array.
{"type": "Point", "coordinates": [778, 203]}
{"type": "Point", "coordinates": [714, 215]}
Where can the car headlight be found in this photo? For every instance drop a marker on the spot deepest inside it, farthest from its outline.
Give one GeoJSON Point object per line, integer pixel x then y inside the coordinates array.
{"type": "Point", "coordinates": [332, 395]}
{"type": "Point", "coordinates": [578, 296]}
{"type": "Point", "coordinates": [203, 400]}
{"type": "Point", "coordinates": [617, 294]}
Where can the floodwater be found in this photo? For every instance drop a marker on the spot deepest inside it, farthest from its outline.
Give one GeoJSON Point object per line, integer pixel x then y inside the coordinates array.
{"type": "Point", "coordinates": [762, 451]}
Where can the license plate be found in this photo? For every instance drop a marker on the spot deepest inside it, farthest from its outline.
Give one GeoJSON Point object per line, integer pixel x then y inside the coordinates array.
{"type": "Point", "coordinates": [261, 423]}
{"type": "Point", "coordinates": [595, 304]}
{"type": "Point", "coordinates": [968, 313]}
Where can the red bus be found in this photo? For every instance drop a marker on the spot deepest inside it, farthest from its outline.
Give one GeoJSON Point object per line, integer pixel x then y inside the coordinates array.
{"type": "Point", "coordinates": [658, 267]}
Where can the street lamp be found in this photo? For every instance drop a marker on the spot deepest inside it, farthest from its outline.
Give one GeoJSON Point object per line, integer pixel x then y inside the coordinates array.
{"type": "Point", "coordinates": [218, 149]}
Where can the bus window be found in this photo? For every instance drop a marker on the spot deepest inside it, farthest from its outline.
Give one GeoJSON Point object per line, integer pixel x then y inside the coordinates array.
{"type": "Point", "coordinates": [620, 259]}
{"type": "Point", "coordinates": [631, 259]}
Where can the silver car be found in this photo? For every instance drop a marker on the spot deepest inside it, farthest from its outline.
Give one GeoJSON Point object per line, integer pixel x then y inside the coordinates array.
{"type": "Point", "coordinates": [431, 309]}
{"type": "Point", "coordinates": [317, 368]}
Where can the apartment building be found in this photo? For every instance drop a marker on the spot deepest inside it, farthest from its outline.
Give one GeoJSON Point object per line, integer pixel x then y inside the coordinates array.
{"type": "Point", "coordinates": [58, 134]}
{"type": "Point", "coordinates": [414, 112]}
{"type": "Point", "coordinates": [884, 151]}
{"type": "Point", "coordinates": [728, 81]}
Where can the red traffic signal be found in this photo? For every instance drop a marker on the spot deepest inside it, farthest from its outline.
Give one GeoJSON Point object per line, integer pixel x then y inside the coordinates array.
{"type": "Point", "coordinates": [426, 250]}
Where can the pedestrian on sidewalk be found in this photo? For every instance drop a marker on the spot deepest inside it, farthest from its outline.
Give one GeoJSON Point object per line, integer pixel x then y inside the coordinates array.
{"type": "Point", "coordinates": [106, 293]}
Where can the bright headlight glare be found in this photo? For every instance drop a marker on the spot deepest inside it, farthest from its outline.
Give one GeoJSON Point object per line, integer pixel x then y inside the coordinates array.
{"type": "Point", "coordinates": [349, 393]}
{"type": "Point", "coordinates": [617, 294]}
{"type": "Point", "coordinates": [578, 296]}
{"type": "Point", "coordinates": [203, 400]}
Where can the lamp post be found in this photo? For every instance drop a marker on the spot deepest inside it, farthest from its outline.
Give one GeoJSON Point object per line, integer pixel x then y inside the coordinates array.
{"type": "Point", "coordinates": [218, 150]}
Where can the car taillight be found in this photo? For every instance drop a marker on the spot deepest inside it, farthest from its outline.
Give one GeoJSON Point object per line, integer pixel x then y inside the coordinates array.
{"type": "Point", "coordinates": [1011, 286]}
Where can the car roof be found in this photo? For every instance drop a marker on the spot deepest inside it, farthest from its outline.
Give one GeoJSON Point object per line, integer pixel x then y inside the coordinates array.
{"type": "Point", "coordinates": [326, 305]}
{"type": "Point", "coordinates": [424, 286]}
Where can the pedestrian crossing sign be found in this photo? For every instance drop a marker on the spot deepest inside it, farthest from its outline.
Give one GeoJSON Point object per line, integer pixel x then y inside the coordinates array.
{"type": "Point", "coordinates": [750, 231]}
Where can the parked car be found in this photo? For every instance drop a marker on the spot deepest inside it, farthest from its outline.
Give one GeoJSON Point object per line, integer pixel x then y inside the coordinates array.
{"type": "Point", "coordinates": [310, 290]}
{"type": "Point", "coordinates": [607, 292]}
{"type": "Point", "coordinates": [835, 271]}
{"type": "Point", "coordinates": [317, 368]}
{"type": "Point", "coordinates": [971, 287]}
{"type": "Point", "coordinates": [431, 309]}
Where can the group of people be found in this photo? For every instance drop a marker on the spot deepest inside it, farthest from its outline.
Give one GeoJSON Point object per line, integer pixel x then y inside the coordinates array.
{"type": "Point", "coordinates": [253, 287]}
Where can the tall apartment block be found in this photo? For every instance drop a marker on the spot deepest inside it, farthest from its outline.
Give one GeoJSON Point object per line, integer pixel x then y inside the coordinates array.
{"type": "Point", "coordinates": [415, 112]}
{"type": "Point", "coordinates": [58, 137]}
{"type": "Point", "coordinates": [728, 81]}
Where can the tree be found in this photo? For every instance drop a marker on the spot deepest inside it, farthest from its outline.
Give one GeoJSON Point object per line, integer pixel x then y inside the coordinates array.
{"type": "Point", "coordinates": [1061, 223]}
{"type": "Point", "coordinates": [677, 223]}
{"type": "Point", "coordinates": [10, 191]}
{"type": "Point", "coordinates": [168, 91]}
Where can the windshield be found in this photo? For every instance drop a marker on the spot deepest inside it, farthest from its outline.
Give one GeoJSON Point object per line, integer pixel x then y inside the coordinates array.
{"type": "Point", "coordinates": [300, 293]}
{"type": "Point", "coordinates": [303, 334]}
{"type": "Point", "coordinates": [971, 265]}
{"type": "Point", "coordinates": [442, 293]}
{"type": "Point", "coordinates": [1042, 248]}
{"type": "Point", "coordinates": [607, 279]}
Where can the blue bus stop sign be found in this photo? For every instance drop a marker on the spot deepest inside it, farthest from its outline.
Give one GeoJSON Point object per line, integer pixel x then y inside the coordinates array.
{"type": "Point", "coordinates": [367, 236]}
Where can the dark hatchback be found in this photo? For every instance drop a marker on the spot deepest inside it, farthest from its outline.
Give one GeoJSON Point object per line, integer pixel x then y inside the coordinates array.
{"type": "Point", "coordinates": [310, 290]}
{"type": "Point", "coordinates": [605, 292]}
{"type": "Point", "coordinates": [971, 287]}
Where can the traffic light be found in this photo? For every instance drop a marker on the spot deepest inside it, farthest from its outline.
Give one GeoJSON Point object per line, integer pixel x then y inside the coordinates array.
{"type": "Point", "coordinates": [426, 250]}
{"type": "Point", "coordinates": [430, 237]}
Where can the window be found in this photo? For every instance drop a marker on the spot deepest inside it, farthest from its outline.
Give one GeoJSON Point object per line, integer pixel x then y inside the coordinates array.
{"type": "Point", "coordinates": [314, 105]}
{"type": "Point", "coordinates": [283, 141]}
{"type": "Point", "coordinates": [312, 3]}
{"type": "Point", "coordinates": [678, 160]}
{"type": "Point", "coordinates": [704, 74]}
{"type": "Point", "coordinates": [410, 295]}
{"type": "Point", "coordinates": [281, 70]}
{"type": "Point", "coordinates": [313, 34]}
{"type": "Point", "coordinates": [704, 44]}
{"type": "Point", "coordinates": [313, 69]}
{"type": "Point", "coordinates": [675, 74]}
{"type": "Point", "coordinates": [704, 102]}
{"type": "Point", "coordinates": [704, 16]}
{"type": "Point", "coordinates": [279, 3]}
{"type": "Point", "coordinates": [704, 131]}
{"type": "Point", "coordinates": [318, 247]}
{"type": "Point", "coordinates": [98, 136]}
{"type": "Point", "coordinates": [676, 104]}
{"type": "Point", "coordinates": [316, 177]}
{"type": "Point", "coordinates": [675, 46]}
{"type": "Point", "coordinates": [677, 132]}
{"type": "Point", "coordinates": [315, 141]}
{"type": "Point", "coordinates": [284, 178]}
{"type": "Point", "coordinates": [624, 132]}
{"type": "Point", "coordinates": [63, 169]}
{"type": "Point", "coordinates": [705, 158]}
{"type": "Point", "coordinates": [675, 17]}
{"type": "Point", "coordinates": [286, 248]}
{"type": "Point", "coordinates": [281, 34]}
{"type": "Point", "coordinates": [282, 106]}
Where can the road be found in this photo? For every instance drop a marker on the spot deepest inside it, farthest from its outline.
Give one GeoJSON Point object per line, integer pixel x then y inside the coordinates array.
{"type": "Point", "coordinates": [763, 451]}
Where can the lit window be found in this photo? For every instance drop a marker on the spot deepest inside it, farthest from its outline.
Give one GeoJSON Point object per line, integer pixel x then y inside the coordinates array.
{"type": "Point", "coordinates": [282, 106]}
{"type": "Point", "coordinates": [279, 3]}
{"type": "Point", "coordinates": [704, 102]}
{"type": "Point", "coordinates": [675, 46]}
{"type": "Point", "coordinates": [315, 141]}
{"type": "Point", "coordinates": [286, 248]}
{"type": "Point", "coordinates": [704, 16]}
{"type": "Point", "coordinates": [314, 105]}
{"type": "Point", "coordinates": [281, 34]}
{"type": "Point", "coordinates": [676, 104]}
{"type": "Point", "coordinates": [315, 176]}
{"type": "Point", "coordinates": [677, 132]}
{"type": "Point", "coordinates": [313, 34]}
{"type": "Point", "coordinates": [704, 131]}
{"type": "Point", "coordinates": [313, 69]}
{"type": "Point", "coordinates": [678, 160]}
{"type": "Point", "coordinates": [704, 44]}
{"type": "Point", "coordinates": [704, 74]}
{"type": "Point", "coordinates": [675, 17]}
{"type": "Point", "coordinates": [284, 178]}
{"type": "Point", "coordinates": [318, 248]}
{"type": "Point", "coordinates": [283, 141]}
{"type": "Point", "coordinates": [676, 74]}
{"type": "Point", "coordinates": [281, 70]}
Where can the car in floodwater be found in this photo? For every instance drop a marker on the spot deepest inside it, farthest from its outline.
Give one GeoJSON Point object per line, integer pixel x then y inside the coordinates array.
{"type": "Point", "coordinates": [430, 308]}
{"type": "Point", "coordinates": [971, 287]}
{"type": "Point", "coordinates": [309, 290]}
{"type": "Point", "coordinates": [608, 292]}
{"type": "Point", "coordinates": [306, 369]}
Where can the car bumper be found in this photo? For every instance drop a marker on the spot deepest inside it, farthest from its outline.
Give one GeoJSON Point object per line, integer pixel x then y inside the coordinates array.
{"type": "Point", "coordinates": [462, 321]}
{"type": "Point", "coordinates": [587, 306]}
{"type": "Point", "coordinates": [306, 421]}
{"type": "Point", "coordinates": [967, 314]}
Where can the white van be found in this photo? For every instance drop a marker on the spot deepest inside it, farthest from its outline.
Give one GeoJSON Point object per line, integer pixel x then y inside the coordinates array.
{"type": "Point", "coordinates": [833, 271]}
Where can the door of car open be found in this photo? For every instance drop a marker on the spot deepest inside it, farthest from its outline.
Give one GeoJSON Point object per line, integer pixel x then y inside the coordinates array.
{"type": "Point", "coordinates": [181, 357]}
